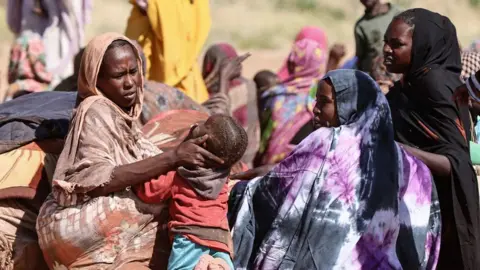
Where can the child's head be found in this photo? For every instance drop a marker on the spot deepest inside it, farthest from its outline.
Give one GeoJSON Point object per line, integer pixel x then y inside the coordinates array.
{"type": "Point", "coordinates": [265, 80]}
{"type": "Point", "coordinates": [226, 139]}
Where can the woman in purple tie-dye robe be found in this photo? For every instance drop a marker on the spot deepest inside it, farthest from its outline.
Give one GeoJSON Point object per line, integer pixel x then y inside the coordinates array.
{"type": "Point", "coordinates": [347, 197]}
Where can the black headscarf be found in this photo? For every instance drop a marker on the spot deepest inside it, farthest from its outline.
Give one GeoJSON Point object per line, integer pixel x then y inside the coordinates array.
{"type": "Point", "coordinates": [425, 116]}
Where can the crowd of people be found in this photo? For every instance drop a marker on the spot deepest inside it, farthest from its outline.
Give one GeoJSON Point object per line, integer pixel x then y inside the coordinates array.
{"type": "Point", "coordinates": [128, 154]}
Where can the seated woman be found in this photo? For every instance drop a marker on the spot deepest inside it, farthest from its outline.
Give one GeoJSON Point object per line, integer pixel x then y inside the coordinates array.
{"type": "Point", "coordinates": [92, 219]}
{"type": "Point", "coordinates": [347, 197]}
{"type": "Point", "coordinates": [286, 108]}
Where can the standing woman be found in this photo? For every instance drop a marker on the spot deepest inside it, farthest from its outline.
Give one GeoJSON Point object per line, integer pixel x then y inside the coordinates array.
{"type": "Point", "coordinates": [172, 34]}
{"type": "Point", "coordinates": [61, 25]}
{"type": "Point", "coordinates": [423, 46]}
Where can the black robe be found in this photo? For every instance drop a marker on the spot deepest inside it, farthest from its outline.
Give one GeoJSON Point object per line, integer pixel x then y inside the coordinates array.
{"type": "Point", "coordinates": [425, 116]}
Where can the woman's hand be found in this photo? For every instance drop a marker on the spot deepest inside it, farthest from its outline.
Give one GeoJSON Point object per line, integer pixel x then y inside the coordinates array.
{"type": "Point", "coordinates": [385, 85]}
{"type": "Point", "coordinates": [191, 153]}
{"type": "Point", "coordinates": [461, 95]}
{"type": "Point", "coordinates": [232, 68]}
{"type": "Point", "coordinates": [337, 52]}
{"type": "Point", "coordinates": [253, 173]}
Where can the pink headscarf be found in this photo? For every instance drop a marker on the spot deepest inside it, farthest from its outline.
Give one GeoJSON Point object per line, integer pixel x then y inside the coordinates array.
{"type": "Point", "coordinates": [309, 59]}
{"type": "Point", "coordinates": [311, 33]}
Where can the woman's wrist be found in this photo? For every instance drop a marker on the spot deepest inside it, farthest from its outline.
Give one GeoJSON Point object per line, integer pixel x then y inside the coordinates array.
{"type": "Point", "coordinates": [170, 158]}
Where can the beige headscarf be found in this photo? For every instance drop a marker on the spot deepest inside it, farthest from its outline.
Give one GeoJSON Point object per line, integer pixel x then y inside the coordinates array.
{"type": "Point", "coordinates": [90, 67]}
{"type": "Point", "coordinates": [81, 170]}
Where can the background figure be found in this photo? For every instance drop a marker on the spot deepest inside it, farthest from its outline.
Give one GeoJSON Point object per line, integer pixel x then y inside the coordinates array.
{"type": "Point", "coordinates": [172, 34]}
{"type": "Point", "coordinates": [308, 32]}
{"type": "Point", "coordinates": [335, 54]}
{"type": "Point", "coordinates": [286, 109]}
{"type": "Point", "coordinates": [475, 46]}
{"type": "Point", "coordinates": [241, 92]}
{"type": "Point", "coordinates": [470, 64]}
{"type": "Point", "coordinates": [27, 68]}
{"type": "Point", "coordinates": [264, 80]}
{"type": "Point", "coordinates": [369, 31]}
{"type": "Point", "coordinates": [60, 23]}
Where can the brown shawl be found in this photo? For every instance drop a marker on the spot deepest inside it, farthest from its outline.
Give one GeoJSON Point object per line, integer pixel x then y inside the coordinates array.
{"type": "Point", "coordinates": [107, 136]}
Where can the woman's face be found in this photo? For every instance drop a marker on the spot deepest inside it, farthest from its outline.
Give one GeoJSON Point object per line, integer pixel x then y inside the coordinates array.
{"type": "Point", "coordinates": [119, 78]}
{"type": "Point", "coordinates": [397, 50]}
{"type": "Point", "coordinates": [325, 110]}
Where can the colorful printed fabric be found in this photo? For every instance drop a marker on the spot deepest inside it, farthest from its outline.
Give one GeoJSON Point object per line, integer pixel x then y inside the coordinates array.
{"type": "Point", "coordinates": [284, 113]}
{"type": "Point", "coordinates": [286, 108]}
{"type": "Point", "coordinates": [308, 59]}
{"type": "Point", "coordinates": [61, 24]}
{"type": "Point", "coordinates": [470, 64]}
{"type": "Point", "coordinates": [311, 33]}
{"type": "Point", "coordinates": [346, 198]}
{"type": "Point", "coordinates": [27, 70]}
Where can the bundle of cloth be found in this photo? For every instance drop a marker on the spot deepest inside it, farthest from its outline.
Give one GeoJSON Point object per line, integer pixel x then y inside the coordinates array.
{"type": "Point", "coordinates": [32, 128]}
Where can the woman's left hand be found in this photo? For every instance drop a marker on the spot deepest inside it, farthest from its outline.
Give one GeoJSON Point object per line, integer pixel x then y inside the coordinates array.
{"type": "Point", "coordinates": [232, 68]}
{"type": "Point", "coordinates": [337, 51]}
{"type": "Point", "coordinates": [191, 153]}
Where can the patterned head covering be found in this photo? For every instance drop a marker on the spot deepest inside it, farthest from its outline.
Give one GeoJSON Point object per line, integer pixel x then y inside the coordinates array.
{"type": "Point", "coordinates": [345, 198]}
{"type": "Point", "coordinates": [311, 33]}
{"type": "Point", "coordinates": [308, 59]}
{"type": "Point", "coordinates": [470, 64]}
{"type": "Point", "coordinates": [90, 67]}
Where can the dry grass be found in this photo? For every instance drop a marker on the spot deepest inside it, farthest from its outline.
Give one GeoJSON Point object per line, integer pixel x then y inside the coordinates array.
{"type": "Point", "coordinates": [266, 27]}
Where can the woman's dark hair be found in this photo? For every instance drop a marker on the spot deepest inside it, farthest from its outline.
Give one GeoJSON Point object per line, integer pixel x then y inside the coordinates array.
{"type": "Point", "coordinates": [408, 17]}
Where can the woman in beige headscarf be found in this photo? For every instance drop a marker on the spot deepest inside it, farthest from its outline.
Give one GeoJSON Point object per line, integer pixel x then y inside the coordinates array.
{"type": "Point", "coordinates": [92, 220]}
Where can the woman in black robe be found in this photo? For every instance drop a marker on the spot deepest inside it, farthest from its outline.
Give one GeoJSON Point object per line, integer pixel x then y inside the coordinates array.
{"type": "Point", "coordinates": [423, 46]}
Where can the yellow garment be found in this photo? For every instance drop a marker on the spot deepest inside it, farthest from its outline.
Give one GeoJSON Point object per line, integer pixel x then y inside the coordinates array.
{"type": "Point", "coordinates": [172, 36]}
